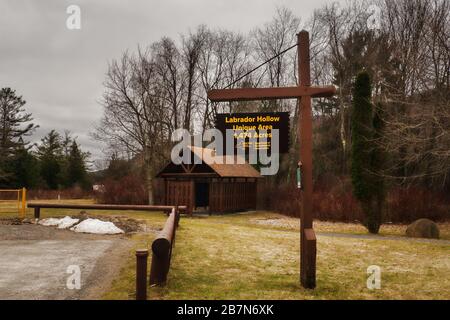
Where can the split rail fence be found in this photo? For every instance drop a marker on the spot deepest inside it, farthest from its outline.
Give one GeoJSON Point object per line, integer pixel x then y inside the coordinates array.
{"type": "Point", "coordinates": [162, 248]}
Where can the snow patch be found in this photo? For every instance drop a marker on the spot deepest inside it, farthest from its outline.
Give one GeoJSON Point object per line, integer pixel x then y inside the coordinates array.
{"type": "Point", "coordinates": [67, 222]}
{"type": "Point", "coordinates": [50, 222]}
{"type": "Point", "coordinates": [63, 223]}
{"type": "Point", "coordinates": [96, 226]}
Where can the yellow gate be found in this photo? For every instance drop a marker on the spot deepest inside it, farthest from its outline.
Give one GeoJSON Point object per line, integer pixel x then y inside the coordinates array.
{"type": "Point", "coordinates": [21, 200]}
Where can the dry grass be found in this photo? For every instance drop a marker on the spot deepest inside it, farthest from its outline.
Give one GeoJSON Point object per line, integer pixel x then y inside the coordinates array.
{"type": "Point", "coordinates": [256, 256]}
{"type": "Point", "coordinates": [282, 222]}
{"type": "Point", "coordinates": [235, 257]}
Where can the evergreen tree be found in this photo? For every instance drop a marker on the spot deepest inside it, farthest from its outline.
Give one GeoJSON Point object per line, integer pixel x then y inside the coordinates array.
{"type": "Point", "coordinates": [25, 169]}
{"type": "Point", "coordinates": [15, 125]}
{"type": "Point", "coordinates": [366, 156]}
{"type": "Point", "coordinates": [378, 160]}
{"type": "Point", "coordinates": [361, 135]}
{"type": "Point", "coordinates": [117, 168]}
{"type": "Point", "coordinates": [66, 143]}
{"type": "Point", "coordinates": [76, 169]}
{"type": "Point", "coordinates": [50, 157]}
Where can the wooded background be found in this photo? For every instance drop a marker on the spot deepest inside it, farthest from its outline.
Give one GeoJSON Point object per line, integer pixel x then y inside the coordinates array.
{"type": "Point", "coordinates": [159, 87]}
{"type": "Point", "coordinates": [162, 86]}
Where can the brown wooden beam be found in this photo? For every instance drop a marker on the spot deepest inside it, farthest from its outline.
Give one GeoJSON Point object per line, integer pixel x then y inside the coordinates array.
{"type": "Point", "coordinates": [162, 251]}
{"type": "Point", "coordinates": [307, 270]}
{"type": "Point", "coordinates": [309, 273]}
{"type": "Point", "coordinates": [37, 206]}
{"type": "Point", "coordinates": [187, 174]}
{"type": "Point", "coordinates": [248, 94]}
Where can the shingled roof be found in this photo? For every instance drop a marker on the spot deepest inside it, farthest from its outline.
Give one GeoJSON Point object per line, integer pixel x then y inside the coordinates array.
{"type": "Point", "coordinates": [226, 170]}
{"type": "Point", "coordinates": [233, 169]}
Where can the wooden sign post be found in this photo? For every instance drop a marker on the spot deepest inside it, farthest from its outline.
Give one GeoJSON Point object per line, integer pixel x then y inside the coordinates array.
{"type": "Point", "coordinates": [304, 92]}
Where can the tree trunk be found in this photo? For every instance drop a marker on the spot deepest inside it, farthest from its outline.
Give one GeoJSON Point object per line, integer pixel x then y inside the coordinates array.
{"type": "Point", "coordinates": [151, 200]}
{"type": "Point", "coordinates": [342, 133]}
{"type": "Point", "coordinates": [149, 179]}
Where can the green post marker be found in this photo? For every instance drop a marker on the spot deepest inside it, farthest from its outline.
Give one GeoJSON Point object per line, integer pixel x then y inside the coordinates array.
{"type": "Point", "coordinates": [299, 175]}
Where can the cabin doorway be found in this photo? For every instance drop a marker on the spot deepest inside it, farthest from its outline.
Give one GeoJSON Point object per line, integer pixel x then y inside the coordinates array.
{"type": "Point", "coordinates": [202, 195]}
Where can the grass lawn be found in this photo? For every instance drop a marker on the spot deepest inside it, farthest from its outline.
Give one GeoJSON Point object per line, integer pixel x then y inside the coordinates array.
{"type": "Point", "coordinates": [256, 256]}
{"type": "Point", "coordinates": [241, 256]}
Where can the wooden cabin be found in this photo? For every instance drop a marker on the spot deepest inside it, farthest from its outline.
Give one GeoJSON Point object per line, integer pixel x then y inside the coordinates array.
{"type": "Point", "coordinates": [213, 185]}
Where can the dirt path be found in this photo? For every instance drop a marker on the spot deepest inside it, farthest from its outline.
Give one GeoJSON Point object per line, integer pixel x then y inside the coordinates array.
{"type": "Point", "coordinates": [34, 262]}
{"type": "Point", "coordinates": [38, 232]}
{"type": "Point", "coordinates": [294, 224]}
{"type": "Point", "coordinates": [105, 271]}
{"type": "Point", "coordinates": [378, 237]}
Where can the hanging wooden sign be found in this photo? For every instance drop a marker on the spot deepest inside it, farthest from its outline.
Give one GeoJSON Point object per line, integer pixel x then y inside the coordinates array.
{"type": "Point", "coordinates": [253, 131]}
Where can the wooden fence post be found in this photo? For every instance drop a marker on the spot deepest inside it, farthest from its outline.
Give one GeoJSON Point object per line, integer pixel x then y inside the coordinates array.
{"type": "Point", "coordinates": [162, 252]}
{"type": "Point", "coordinates": [141, 274]}
{"type": "Point", "coordinates": [37, 212]}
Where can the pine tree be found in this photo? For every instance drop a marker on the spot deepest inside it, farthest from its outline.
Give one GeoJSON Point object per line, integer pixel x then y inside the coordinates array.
{"type": "Point", "coordinates": [378, 159]}
{"type": "Point", "coordinates": [368, 187]}
{"type": "Point", "coordinates": [50, 157]}
{"type": "Point", "coordinates": [361, 135]}
{"type": "Point", "coordinates": [118, 168]}
{"type": "Point", "coordinates": [25, 169]}
{"type": "Point", "coordinates": [15, 125]}
{"type": "Point", "coordinates": [76, 169]}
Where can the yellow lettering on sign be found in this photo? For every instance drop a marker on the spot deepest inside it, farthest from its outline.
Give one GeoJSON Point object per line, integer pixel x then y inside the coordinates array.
{"type": "Point", "coordinates": [267, 119]}
{"type": "Point", "coordinates": [265, 127]}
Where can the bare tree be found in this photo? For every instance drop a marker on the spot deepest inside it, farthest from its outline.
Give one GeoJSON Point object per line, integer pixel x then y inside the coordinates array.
{"type": "Point", "coordinates": [135, 116]}
{"type": "Point", "coordinates": [271, 39]}
{"type": "Point", "coordinates": [153, 92]}
{"type": "Point", "coordinates": [192, 45]}
{"type": "Point", "coordinates": [169, 72]}
{"type": "Point", "coordinates": [224, 59]}
{"type": "Point", "coordinates": [417, 100]}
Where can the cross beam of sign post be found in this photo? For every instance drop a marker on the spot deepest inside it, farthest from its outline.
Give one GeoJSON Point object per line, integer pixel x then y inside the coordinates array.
{"type": "Point", "coordinates": [303, 92]}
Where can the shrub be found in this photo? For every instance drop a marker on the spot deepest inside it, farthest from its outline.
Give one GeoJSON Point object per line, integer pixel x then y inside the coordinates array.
{"type": "Point", "coordinates": [126, 190]}
{"type": "Point", "coordinates": [338, 203]}
{"type": "Point", "coordinates": [70, 193]}
{"type": "Point", "coordinates": [367, 159]}
{"type": "Point", "coordinates": [406, 205]}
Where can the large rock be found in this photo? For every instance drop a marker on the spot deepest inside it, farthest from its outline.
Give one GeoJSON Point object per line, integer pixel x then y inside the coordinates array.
{"type": "Point", "coordinates": [423, 228]}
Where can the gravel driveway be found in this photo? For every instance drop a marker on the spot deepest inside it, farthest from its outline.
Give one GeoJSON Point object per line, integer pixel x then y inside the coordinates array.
{"type": "Point", "coordinates": [34, 262]}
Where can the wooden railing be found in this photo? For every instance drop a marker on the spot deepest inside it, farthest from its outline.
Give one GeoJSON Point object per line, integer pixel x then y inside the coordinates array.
{"type": "Point", "coordinates": [161, 256]}
{"type": "Point", "coordinates": [162, 250]}
{"type": "Point", "coordinates": [37, 207]}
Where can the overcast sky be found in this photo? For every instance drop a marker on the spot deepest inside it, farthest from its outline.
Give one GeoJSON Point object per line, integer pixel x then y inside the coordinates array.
{"type": "Point", "coordinates": [60, 72]}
